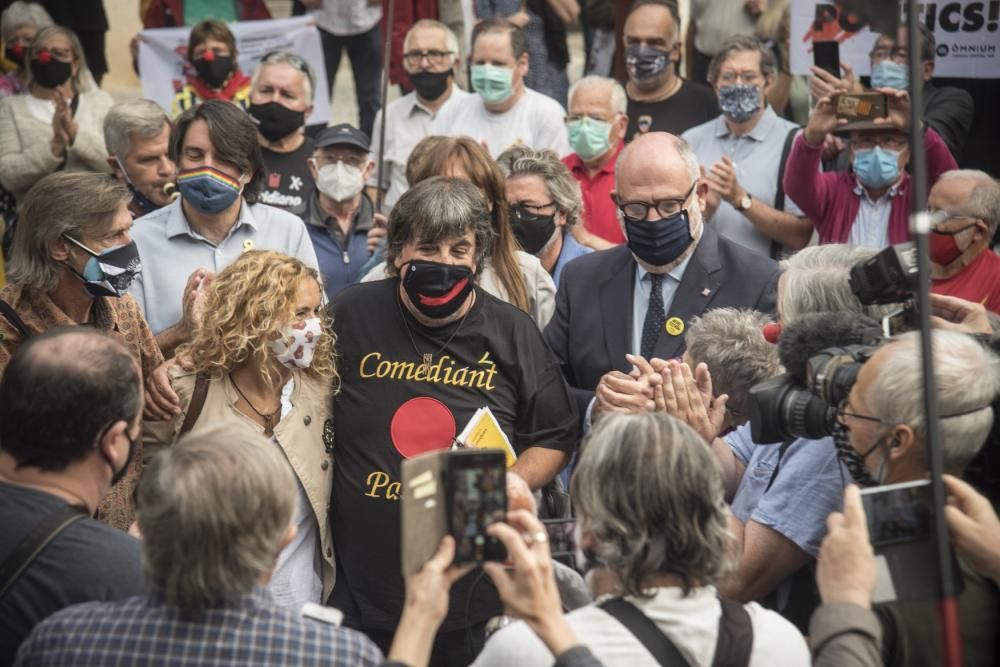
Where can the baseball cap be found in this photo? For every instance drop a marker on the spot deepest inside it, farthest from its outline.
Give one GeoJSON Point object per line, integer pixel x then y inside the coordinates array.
{"type": "Point", "coordinates": [343, 134]}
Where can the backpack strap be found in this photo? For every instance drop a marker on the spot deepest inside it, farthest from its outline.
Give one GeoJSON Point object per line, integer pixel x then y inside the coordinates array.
{"type": "Point", "coordinates": [645, 630]}
{"type": "Point", "coordinates": [735, 642]}
{"type": "Point", "coordinates": [779, 193]}
{"type": "Point", "coordinates": [8, 312]}
{"type": "Point", "coordinates": [34, 542]}
{"type": "Point", "coordinates": [196, 404]}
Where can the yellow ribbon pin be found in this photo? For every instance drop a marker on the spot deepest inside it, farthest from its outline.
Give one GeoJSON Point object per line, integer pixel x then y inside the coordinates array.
{"type": "Point", "coordinates": [247, 245]}
{"type": "Point", "coordinates": [674, 326]}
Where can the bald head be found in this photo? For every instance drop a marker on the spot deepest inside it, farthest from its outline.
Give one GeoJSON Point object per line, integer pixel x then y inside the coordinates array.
{"type": "Point", "coordinates": [658, 162]}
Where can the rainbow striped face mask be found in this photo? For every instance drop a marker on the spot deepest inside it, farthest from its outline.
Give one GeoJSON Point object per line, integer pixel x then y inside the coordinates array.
{"type": "Point", "coordinates": [209, 190]}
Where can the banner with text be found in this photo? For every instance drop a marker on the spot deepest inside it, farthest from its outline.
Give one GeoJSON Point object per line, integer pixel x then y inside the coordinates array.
{"type": "Point", "coordinates": [967, 33]}
{"type": "Point", "coordinates": [162, 61]}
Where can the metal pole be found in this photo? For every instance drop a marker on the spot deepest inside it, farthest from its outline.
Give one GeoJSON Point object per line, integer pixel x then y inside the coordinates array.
{"type": "Point", "coordinates": [386, 61]}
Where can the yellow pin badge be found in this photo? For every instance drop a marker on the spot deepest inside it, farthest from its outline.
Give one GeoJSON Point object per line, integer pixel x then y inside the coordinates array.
{"type": "Point", "coordinates": [674, 326]}
{"type": "Point", "coordinates": [247, 245]}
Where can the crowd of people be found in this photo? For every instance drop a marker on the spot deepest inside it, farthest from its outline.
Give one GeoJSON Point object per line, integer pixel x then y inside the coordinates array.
{"type": "Point", "coordinates": [223, 333]}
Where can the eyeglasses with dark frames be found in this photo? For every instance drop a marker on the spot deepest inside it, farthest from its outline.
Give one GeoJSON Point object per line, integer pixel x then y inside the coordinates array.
{"type": "Point", "coordinates": [434, 57]}
{"type": "Point", "coordinates": [639, 210]}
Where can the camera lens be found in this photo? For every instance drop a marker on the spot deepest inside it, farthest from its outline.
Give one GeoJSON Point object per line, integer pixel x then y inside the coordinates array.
{"type": "Point", "coordinates": [806, 415]}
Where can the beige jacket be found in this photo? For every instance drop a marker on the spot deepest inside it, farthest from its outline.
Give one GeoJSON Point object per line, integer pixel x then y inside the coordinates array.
{"type": "Point", "coordinates": [25, 156]}
{"type": "Point", "coordinates": [541, 289]}
{"type": "Point", "coordinates": [305, 435]}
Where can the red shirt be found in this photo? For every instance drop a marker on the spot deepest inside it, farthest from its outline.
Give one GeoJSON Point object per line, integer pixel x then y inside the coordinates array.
{"type": "Point", "coordinates": [599, 214]}
{"type": "Point", "coordinates": [979, 282]}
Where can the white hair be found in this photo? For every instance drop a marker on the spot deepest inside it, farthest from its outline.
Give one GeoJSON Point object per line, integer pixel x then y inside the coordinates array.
{"type": "Point", "coordinates": [964, 406]}
{"type": "Point", "coordinates": [815, 280]}
{"type": "Point", "coordinates": [23, 13]}
{"type": "Point", "coordinates": [449, 35]}
{"type": "Point", "coordinates": [294, 61]}
{"type": "Point", "coordinates": [616, 93]}
{"type": "Point", "coordinates": [984, 200]}
{"type": "Point", "coordinates": [137, 117]}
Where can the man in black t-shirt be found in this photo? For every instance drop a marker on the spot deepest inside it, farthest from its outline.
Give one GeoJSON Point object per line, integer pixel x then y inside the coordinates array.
{"type": "Point", "coordinates": [70, 411]}
{"type": "Point", "coordinates": [419, 353]}
{"type": "Point", "coordinates": [281, 100]}
{"type": "Point", "coordinates": [659, 100]}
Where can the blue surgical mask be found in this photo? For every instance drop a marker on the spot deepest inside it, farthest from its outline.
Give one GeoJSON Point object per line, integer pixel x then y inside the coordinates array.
{"type": "Point", "coordinates": [207, 189]}
{"type": "Point", "coordinates": [739, 101]}
{"type": "Point", "coordinates": [876, 167]}
{"type": "Point", "coordinates": [659, 242]}
{"type": "Point", "coordinates": [890, 74]}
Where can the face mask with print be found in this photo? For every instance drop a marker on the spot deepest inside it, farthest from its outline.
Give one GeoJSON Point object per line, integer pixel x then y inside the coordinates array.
{"type": "Point", "coordinates": [890, 74]}
{"type": "Point", "coordinates": [296, 346]}
{"type": "Point", "coordinates": [436, 289]}
{"type": "Point", "coordinates": [207, 189]}
{"type": "Point", "coordinates": [876, 167]}
{"type": "Point", "coordinates": [494, 84]}
{"type": "Point", "coordinates": [739, 101]}
{"type": "Point", "coordinates": [340, 181]}
{"type": "Point", "coordinates": [589, 138]}
{"type": "Point", "coordinates": [852, 460]}
{"type": "Point", "coordinates": [644, 62]}
{"type": "Point", "coordinates": [110, 272]}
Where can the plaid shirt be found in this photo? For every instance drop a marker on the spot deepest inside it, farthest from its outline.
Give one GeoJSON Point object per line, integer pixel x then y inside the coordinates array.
{"type": "Point", "coordinates": [144, 631]}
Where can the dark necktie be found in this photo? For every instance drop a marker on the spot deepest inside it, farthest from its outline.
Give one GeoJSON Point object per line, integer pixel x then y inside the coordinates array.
{"type": "Point", "coordinates": [655, 317]}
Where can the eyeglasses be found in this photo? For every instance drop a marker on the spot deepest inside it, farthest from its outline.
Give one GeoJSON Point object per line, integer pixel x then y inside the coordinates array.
{"type": "Point", "coordinates": [434, 57]}
{"type": "Point", "coordinates": [529, 212]}
{"type": "Point", "coordinates": [749, 77]}
{"type": "Point", "coordinates": [639, 210]}
{"type": "Point", "coordinates": [352, 160]}
{"type": "Point", "coordinates": [890, 142]}
{"type": "Point", "coordinates": [843, 414]}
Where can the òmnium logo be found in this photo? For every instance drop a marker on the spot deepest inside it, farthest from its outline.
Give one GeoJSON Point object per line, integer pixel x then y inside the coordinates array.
{"type": "Point", "coordinates": [942, 50]}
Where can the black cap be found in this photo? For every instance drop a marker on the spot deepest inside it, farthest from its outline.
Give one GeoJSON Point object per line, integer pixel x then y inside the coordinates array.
{"type": "Point", "coordinates": [344, 134]}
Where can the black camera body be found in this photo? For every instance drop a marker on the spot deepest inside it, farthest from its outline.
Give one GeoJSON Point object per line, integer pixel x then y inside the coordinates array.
{"type": "Point", "coordinates": [888, 277]}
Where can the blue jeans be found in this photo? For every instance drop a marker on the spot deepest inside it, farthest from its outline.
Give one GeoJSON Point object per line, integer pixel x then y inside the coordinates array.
{"type": "Point", "coordinates": [365, 52]}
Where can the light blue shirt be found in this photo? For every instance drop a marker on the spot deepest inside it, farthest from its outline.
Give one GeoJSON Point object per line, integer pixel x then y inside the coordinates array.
{"type": "Point", "coordinates": [570, 251]}
{"type": "Point", "coordinates": [171, 251]}
{"type": "Point", "coordinates": [640, 297]}
{"type": "Point", "coordinates": [756, 157]}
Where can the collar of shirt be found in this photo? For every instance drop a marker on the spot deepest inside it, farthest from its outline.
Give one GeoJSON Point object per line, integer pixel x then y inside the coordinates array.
{"type": "Point", "coordinates": [859, 190]}
{"type": "Point", "coordinates": [177, 224]}
{"type": "Point", "coordinates": [759, 132]}
{"type": "Point", "coordinates": [576, 164]}
{"type": "Point", "coordinates": [258, 598]}
{"type": "Point", "coordinates": [676, 273]}
{"type": "Point", "coordinates": [362, 221]}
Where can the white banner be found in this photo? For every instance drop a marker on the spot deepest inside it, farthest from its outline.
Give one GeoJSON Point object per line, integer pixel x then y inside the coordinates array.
{"type": "Point", "coordinates": [162, 56]}
{"type": "Point", "coordinates": [967, 34]}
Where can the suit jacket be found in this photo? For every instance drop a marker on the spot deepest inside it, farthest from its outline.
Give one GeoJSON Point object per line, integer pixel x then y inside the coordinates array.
{"type": "Point", "coordinates": [591, 331]}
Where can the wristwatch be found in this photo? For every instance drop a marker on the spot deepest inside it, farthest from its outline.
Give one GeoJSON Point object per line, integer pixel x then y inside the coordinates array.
{"type": "Point", "coordinates": [745, 203]}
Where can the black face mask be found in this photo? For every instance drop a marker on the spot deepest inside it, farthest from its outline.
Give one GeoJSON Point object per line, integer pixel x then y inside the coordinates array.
{"type": "Point", "coordinates": [118, 475]}
{"type": "Point", "coordinates": [430, 85]}
{"type": "Point", "coordinates": [437, 290]}
{"type": "Point", "coordinates": [275, 120]}
{"type": "Point", "coordinates": [645, 62]}
{"type": "Point", "coordinates": [659, 242]}
{"type": "Point", "coordinates": [15, 53]}
{"type": "Point", "coordinates": [214, 72]}
{"type": "Point", "coordinates": [52, 73]}
{"type": "Point", "coordinates": [533, 232]}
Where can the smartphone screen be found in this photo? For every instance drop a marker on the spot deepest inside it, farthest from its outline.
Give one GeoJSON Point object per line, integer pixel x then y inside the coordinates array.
{"type": "Point", "coordinates": [478, 498]}
{"type": "Point", "coordinates": [826, 55]}
{"type": "Point", "coordinates": [562, 538]}
{"type": "Point", "coordinates": [898, 512]}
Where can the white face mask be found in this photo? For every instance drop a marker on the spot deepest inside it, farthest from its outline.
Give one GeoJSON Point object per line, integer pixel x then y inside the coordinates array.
{"type": "Point", "coordinates": [340, 181]}
{"type": "Point", "coordinates": [297, 344]}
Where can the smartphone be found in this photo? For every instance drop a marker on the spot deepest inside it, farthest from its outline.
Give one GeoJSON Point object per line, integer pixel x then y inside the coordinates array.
{"type": "Point", "coordinates": [562, 537]}
{"type": "Point", "coordinates": [898, 512]}
{"type": "Point", "coordinates": [826, 55]}
{"type": "Point", "coordinates": [477, 498]}
{"type": "Point", "coordinates": [862, 106]}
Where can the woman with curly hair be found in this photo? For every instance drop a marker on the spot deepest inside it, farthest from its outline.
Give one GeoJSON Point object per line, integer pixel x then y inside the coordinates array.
{"type": "Point", "coordinates": [510, 274]}
{"type": "Point", "coordinates": [263, 359]}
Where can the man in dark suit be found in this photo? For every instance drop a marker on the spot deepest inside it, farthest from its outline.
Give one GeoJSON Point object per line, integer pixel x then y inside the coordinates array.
{"type": "Point", "coordinates": [636, 299]}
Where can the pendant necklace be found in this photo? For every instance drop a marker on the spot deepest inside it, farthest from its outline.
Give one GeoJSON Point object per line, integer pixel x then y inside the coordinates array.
{"type": "Point", "coordinates": [427, 358]}
{"type": "Point", "coordinates": [269, 420]}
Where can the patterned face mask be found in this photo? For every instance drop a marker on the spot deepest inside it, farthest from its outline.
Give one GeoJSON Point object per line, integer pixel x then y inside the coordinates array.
{"type": "Point", "coordinates": [739, 101]}
{"type": "Point", "coordinates": [852, 460]}
{"type": "Point", "coordinates": [297, 344]}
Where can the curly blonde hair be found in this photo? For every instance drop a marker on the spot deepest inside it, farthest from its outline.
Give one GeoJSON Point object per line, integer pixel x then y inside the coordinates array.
{"type": "Point", "coordinates": [246, 307]}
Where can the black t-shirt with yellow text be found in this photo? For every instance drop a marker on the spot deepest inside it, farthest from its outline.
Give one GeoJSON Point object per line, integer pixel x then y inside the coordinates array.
{"type": "Point", "coordinates": [391, 407]}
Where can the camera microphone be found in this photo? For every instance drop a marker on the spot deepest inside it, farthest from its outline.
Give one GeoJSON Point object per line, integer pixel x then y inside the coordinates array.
{"type": "Point", "coordinates": [812, 333]}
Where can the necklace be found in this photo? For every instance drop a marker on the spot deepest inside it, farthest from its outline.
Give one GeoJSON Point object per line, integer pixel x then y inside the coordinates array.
{"type": "Point", "coordinates": [427, 358]}
{"type": "Point", "coordinates": [269, 419]}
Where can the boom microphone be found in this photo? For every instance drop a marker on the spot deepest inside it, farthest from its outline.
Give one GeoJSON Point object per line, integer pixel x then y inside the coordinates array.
{"type": "Point", "coordinates": [811, 333]}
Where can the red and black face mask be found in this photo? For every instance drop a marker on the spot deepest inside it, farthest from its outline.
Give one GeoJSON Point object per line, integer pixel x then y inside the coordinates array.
{"type": "Point", "coordinates": [15, 53]}
{"type": "Point", "coordinates": [437, 290]}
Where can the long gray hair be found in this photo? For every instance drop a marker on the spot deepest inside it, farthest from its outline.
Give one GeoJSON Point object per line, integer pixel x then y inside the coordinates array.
{"type": "Point", "coordinates": [650, 493]}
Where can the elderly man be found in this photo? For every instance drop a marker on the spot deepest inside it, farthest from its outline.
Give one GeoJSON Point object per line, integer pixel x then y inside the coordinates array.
{"type": "Point", "coordinates": [667, 546]}
{"type": "Point", "coordinates": [505, 111]}
{"type": "Point", "coordinates": [881, 438]}
{"type": "Point", "coordinates": [962, 263]}
{"type": "Point", "coordinates": [215, 511]}
{"type": "Point", "coordinates": [72, 260]}
{"type": "Point", "coordinates": [596, 123]}
{"type": "Point", "coordinates": [137, 134]}
{"type": "Point", "coordinates": [217, 217]}
{"type": "Point", "coordinates": [70, 410]}
{"type": "Point", "coordinates": [281, 99]}
{"type": "Point", "coordinates": [871, 205]}
{"type": "Point", "coordinates": [340, 214]}
{"type": "Point", "coordinates": [742, 151]}
{"type": "Point", "coordinates": [659, 100]}
{"type": "Point", "coordinates": [420, 353]}
{"type": "Point", "coordinates": [430, 55]}
{"type": "Point", "coordinates": [637, 299]}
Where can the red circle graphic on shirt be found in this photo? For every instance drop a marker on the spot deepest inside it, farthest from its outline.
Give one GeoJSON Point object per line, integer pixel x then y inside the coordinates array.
{"type": "Point", "coordinates": [422, 425]}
